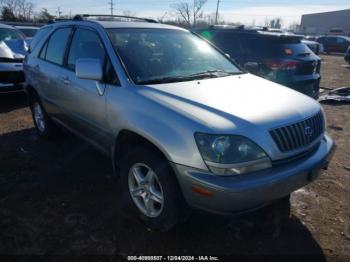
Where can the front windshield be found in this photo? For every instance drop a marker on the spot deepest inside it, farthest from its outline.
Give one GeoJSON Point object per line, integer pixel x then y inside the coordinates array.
{"type": "Point", "coordinates": [10, 34]}
{"type": "Point", "coordinates": [164, 56]}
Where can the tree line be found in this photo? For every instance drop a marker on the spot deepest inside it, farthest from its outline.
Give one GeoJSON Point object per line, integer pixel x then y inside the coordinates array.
{"type": "Point", "coordinates": [23, 11]}
{"type": "Point", "coordinates": [186, 13]}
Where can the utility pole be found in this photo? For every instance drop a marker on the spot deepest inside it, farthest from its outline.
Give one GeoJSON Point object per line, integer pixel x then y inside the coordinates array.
{"type": "Point", "coordinates": [217, 12]}
{"type": "Point", "coordinates": [59, 12]}
{"type": "Point", "coordinates": [112, 4]}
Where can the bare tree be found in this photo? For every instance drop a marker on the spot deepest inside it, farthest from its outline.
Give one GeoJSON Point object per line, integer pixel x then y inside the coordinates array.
{"type": "Point", "coordinates": [128, 13]}
{"type": "Point", "coordinates": [294, 27]}
{"type": "Point", "coordinates": [274, 23]}
{"type": "Point", "coordinates": [22, 9]}
{"type": "Point", "coordinates": [29, 10]}
{"type": "Point", "coordinates": [190, 12]}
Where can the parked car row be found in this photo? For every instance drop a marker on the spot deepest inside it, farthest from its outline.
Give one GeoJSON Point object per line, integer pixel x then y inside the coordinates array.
{"type": "Point", "coordinates": [184, 125]}
{"type": "Point", "coordinates": [278, 57]}
{"type": "Point", "coordinates": [13, 49]}
{"type": "Point", "coordinates": [335, 44]}
{"type": "Point", "coordinates": [332, 43]}
{"type": "Point", "coordinates": [314, 46]}
{"type": "Point", "coordinates": [14, 45]}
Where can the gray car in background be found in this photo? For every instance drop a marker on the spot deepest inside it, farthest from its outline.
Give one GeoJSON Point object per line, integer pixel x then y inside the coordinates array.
{"type": "Point", "coordinates": [184, 126]}
{"type": "Point", "coordinates": [13, 49]}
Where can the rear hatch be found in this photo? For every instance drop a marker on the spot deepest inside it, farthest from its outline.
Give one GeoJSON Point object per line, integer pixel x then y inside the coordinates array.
{"type": "Point", "coordinates": [286, 54]}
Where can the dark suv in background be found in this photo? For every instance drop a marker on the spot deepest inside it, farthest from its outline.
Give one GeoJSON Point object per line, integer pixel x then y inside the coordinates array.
{"type": "Point", "coordinates": [278, 57]}
{"type": "Point", "coordinates": [335, 44]}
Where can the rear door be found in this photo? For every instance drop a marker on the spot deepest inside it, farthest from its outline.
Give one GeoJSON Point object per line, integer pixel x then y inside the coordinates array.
{"type": "Point", "coordinates": [48, 70]}
{"type": "Point", "coordinates": [332, 44]}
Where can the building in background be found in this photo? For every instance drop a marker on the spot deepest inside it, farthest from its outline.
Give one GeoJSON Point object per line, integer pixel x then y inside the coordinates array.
{"type": "Point", "coordinates": [337, 22]}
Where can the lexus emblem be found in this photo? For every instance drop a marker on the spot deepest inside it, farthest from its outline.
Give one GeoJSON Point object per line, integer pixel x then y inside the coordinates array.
{"type": "Point", "coordinates": [308, 131]}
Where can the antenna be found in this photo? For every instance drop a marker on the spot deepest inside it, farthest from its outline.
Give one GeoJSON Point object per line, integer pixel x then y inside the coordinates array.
{"type": "Point", "coordinates": [112, 4]}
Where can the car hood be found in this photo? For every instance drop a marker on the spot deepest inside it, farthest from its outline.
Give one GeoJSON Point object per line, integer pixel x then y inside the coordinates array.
{"type": "Point", "coordinates": [13, 49]}
{"type": "Point", "coordinates": [222, 103]}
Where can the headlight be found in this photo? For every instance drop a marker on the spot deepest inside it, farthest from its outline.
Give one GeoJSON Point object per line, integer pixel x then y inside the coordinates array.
{"type": "Point", "coordinates": [231, 155]}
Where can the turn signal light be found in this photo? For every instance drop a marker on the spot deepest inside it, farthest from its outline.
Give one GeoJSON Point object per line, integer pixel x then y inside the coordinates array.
{"type": "Point", "coordinates": [202, 191]}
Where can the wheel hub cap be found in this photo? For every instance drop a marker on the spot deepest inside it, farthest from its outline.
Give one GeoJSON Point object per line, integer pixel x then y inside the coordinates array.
{"type": "Point", "coordinates": [146, 190]}
{"type": "Point", "coordinates": [39, 117]}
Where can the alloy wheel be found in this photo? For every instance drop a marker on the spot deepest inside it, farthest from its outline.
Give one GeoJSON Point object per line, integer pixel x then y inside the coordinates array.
{"type": "Point", "coordinates": [39, 117]}
{"type": "Point", "coordinates": [145, 190]}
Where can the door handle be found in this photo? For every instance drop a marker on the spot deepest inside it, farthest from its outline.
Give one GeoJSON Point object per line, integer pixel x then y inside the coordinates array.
{"type": "Point", "coordinates": [37, 68]}
{"type": "Point", "coordinates": [65, 80]}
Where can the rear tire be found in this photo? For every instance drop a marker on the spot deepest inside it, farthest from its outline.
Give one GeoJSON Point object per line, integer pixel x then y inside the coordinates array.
{"type": "Point", "coordinates": [151, 189]}
{"type": "Point", "coordinates": [44, 126]}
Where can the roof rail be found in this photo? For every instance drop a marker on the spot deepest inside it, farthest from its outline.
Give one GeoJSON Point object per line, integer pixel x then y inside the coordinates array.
{"type": "Point", "coordinates": [56, 20]}
{"type": "Point", "coordinates": [97, 17]}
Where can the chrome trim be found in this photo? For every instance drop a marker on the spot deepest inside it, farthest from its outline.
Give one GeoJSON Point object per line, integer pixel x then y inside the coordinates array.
{"type": "Point", "coordinates": [245, 164]}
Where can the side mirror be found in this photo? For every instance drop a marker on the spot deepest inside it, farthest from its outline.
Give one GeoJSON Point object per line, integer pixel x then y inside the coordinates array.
{"type": "Point", "coordinates": [252, 67]}
{"type": "Point", "coordinates": [89, 68]}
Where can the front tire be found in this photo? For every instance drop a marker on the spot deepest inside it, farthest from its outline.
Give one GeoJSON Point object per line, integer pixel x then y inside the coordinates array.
{"type": "Point", "coordinates": [151, 189]}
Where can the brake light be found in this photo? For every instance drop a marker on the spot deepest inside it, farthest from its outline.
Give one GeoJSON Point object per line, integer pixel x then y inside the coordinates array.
{"type": "Point", "coordinates": [288, 51]}
{"type": "Point", "coordinates": [282, 64]}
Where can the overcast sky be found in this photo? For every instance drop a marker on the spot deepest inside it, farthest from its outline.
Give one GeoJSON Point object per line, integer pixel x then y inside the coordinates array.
{"type": "Point", "coordinates": [244, 11]}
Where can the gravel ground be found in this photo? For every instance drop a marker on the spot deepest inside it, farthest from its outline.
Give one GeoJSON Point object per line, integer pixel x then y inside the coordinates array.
{"type": "Point", "coordinates": [59, 198]}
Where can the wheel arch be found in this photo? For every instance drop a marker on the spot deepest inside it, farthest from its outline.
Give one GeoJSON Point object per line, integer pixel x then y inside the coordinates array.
{"type": "Point", "coordinates": [31, 93]}
{"type": "Point", "coordinates": [128, 139]}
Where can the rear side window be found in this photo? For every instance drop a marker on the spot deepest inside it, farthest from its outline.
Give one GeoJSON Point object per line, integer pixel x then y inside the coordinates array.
{"type": "Point", "coordinates": [331, 40]}
{"type": "Point", "coordinates": [85, 44]}
{"type": "Point", "coordinates": [341, 40]}
{"type": "Point", "coordinates": [56, 47]}
{"type": "Point", "coordinates": [39, 36]}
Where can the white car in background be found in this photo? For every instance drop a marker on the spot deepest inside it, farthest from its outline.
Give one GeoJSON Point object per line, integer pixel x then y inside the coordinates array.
{"type": "Point", "coordinates": [315, 47]}
{"type": "Point", "coordinates": [13, 48]}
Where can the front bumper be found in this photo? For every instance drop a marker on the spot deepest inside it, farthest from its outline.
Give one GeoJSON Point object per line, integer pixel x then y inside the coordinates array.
{"type": "Point", "coordinates": [11, 77]}
{"type": "Point", "coordinates": [232, 195]}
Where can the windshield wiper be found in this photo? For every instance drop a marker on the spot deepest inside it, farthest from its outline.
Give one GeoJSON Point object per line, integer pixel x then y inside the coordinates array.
{"type": "Point", "coordinates": [197, 76]}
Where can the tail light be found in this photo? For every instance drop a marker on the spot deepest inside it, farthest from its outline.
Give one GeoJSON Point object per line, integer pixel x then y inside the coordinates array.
{"type": "Point", "coordinates": [276, 65]}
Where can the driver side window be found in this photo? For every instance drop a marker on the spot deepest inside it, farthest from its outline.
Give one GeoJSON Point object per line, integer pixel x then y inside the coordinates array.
{"type": "Point", "coordinates": [87, 44]}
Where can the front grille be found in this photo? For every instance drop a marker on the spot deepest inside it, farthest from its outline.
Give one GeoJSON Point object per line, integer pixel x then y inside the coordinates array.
{"type": "Point", "coordinates": [299, 135]}
{"type": "Point", "coordinates": [13, 77]}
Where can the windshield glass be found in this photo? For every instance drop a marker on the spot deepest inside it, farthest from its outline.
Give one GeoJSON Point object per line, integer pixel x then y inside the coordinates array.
{"type": "Point", "coordinates": [10, 34]}
{"type": "Point", "coordinates": [164, 56]}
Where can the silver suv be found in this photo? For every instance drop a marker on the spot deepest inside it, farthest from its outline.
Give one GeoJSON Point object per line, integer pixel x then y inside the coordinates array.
{"type": "Point", "coordinates": [183, 125]}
